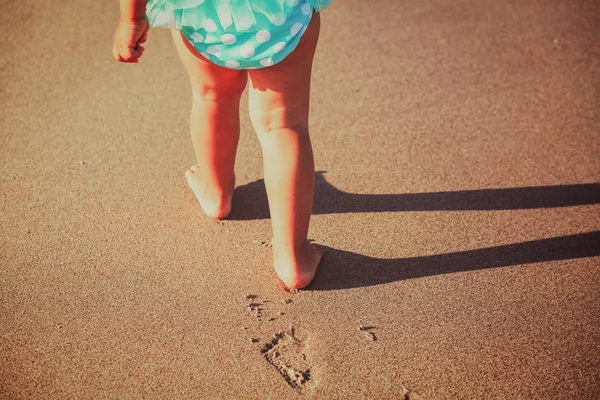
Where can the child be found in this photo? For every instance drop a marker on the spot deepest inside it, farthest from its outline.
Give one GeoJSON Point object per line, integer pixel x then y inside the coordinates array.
{"type": "Point", "coordinates": [221, 43]}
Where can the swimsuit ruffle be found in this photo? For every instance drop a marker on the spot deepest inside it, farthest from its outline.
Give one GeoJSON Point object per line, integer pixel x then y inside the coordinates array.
{"type": "Point", "coordinates": [233, 15]}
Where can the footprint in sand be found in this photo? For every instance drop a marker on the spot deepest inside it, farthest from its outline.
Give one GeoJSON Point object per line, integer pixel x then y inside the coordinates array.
{"type": "Point", "coordinates": [286, 353]}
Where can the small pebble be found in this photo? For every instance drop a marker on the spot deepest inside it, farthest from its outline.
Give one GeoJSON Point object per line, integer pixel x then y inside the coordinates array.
{"type": "Point", "coordinates": [255, 340]}
{"type": "Point", "coordinates": [287, 301]}
{"type": "Point", "coordinates": [555, 41]}
{"type": "Point", "coordinates": [251, 296]}
{"type": "Point", "coordinates": [271, 319]}
{"type": "Point", "coordinates": [280, 313]}
{"type": "Point", "coordinates": [82, 162]}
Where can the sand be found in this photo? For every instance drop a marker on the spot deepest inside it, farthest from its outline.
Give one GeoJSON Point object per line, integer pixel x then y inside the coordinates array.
{"type": "Point", "coordinates": [458, 195]}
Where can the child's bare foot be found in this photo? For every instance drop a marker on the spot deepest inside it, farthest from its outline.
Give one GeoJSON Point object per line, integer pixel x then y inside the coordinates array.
{"type": "Point", "coordinates": [296, 269]}
{"type": "Point", "coordinates": [215, 202]}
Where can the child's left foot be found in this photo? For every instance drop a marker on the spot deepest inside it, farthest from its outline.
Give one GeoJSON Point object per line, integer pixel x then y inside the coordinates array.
{"type": "Point", "coordinates": [215, 202]}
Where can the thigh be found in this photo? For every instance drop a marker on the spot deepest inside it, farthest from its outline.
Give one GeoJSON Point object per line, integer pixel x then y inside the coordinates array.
{"type": "Point", "coordinates": [209, 81]}
{"type": "Point", "coordinates": [279, 94]}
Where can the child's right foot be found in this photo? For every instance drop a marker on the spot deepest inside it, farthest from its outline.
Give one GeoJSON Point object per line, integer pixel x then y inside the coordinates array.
{"type": "Point", "coordinates": [214, 203]}
{"type": "Point", "coordinates": [296, 269]}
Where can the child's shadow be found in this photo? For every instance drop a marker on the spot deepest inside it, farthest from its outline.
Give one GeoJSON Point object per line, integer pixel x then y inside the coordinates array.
{"type": "Point", "coordinates": [250, 200]}
{"type": "Point", "coordinates": [341, 269]}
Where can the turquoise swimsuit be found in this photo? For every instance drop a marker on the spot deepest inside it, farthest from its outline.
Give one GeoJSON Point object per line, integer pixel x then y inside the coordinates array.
{"type": "Point", "coordinates": [237, 34]}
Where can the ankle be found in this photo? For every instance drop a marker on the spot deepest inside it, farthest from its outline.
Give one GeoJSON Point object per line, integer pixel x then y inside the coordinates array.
{"type": "Point", "coordinates": [289, 250]}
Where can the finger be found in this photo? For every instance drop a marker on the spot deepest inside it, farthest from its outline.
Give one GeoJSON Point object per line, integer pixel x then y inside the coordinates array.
{"type": "Point", "coordinates": [137, 53]}
{"type": "Point", "coordinates": [116, 54]}
{"type": "Point", "coordinates": [125, 56]}
{"type": "Point", "coordinates": [144, 37]}
{"type": "Point", "coordinates": [132, 54]}
{"type": "Point", "coordinates": [127, 52]}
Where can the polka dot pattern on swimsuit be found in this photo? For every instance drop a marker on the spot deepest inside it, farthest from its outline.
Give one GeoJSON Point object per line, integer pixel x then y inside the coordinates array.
{"type": "Point", "coordinates": [265, 47]}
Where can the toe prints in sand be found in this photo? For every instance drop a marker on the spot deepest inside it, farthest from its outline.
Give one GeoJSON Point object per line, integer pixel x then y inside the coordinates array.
{"type": "Point", "coordinates": [368, 331]}
{"type": "Point", "coordinates": [256, 308]}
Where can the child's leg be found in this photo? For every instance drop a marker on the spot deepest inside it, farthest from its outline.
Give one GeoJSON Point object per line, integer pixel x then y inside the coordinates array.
{"type": "Point", "coordinates": [279, 105]}
{"type": "Point", "coordinates": [215, 128]}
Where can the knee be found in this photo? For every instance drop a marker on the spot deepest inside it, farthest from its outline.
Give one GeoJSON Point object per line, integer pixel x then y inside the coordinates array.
{"type": "Point", "coordinates": [223, 91]}
{"type": "Point", "coordinates": [278, 119]}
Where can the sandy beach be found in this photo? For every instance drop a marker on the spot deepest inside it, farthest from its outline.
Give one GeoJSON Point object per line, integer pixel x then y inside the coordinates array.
{"type": "Point", "coordinates": [457, 151]}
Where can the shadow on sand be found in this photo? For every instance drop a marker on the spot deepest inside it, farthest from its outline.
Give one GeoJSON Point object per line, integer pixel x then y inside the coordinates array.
{"type": "Point", "coordinates": [341, 269]}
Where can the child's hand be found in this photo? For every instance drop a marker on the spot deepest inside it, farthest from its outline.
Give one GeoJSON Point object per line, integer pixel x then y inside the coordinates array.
{"type": "Point", "coordinates": [128, 39]}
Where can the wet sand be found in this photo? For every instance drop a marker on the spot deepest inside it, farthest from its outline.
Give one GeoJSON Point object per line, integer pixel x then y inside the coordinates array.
{"type": "Point", "coordinates": [458, 195]}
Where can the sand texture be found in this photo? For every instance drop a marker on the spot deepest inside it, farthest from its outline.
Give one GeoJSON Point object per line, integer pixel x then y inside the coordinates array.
{"type": "Point", "coordinates": [457, 145]}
